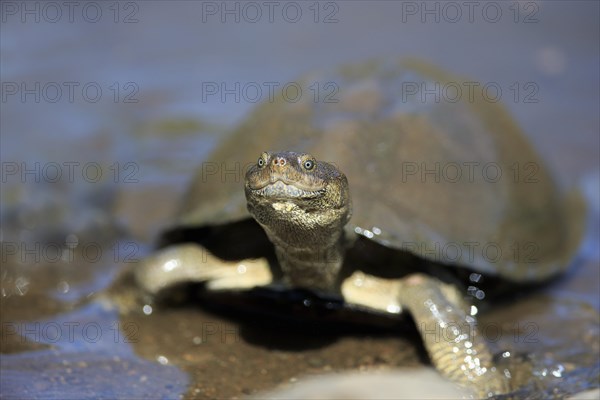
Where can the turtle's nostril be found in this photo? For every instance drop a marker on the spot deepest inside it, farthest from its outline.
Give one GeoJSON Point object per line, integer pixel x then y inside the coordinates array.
{"type": "Point", "coordinates": [279, 161]}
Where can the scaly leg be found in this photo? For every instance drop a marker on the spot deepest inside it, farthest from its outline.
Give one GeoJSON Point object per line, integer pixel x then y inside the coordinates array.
{"type": "Point", "coordinates": [193, 263]}
{"type": "Point", "coordinates": [448, 330]}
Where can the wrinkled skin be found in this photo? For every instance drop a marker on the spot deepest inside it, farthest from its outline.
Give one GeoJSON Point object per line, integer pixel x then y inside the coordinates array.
{"type": "Point", "coordinates": [303, 205]}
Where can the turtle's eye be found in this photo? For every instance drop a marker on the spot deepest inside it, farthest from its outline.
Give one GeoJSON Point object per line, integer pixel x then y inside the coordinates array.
{"type": "Point", "coordinates": [261, 162]}
{"type": "Point", "coordinates": [308, 164]}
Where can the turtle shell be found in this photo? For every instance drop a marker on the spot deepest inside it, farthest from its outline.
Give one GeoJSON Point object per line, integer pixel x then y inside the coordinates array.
{"type": "Point", "coordinates": [435, 165]}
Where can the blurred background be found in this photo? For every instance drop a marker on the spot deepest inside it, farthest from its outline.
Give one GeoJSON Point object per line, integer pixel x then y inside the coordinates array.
{"type": "Point", "coordinates": [108, 107]}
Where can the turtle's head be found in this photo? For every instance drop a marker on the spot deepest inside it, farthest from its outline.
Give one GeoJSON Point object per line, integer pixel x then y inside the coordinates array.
{"type": "Point", "coordinates": [287, 188]}
{"type": "Point", "coordinates": [297, 178]}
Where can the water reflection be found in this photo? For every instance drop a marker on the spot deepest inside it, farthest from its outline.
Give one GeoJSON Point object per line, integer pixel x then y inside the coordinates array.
{"type": "Point", "coordinates": [88, 354]}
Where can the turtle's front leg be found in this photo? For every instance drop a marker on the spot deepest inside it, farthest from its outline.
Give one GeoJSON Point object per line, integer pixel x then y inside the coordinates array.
{"type": "Point", "coordinates": [449, 332]}
{"type": "Point", "coordinates": [193, 263]}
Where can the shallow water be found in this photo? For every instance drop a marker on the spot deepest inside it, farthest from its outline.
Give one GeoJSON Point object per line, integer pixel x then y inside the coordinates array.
{"type": "Point", "coordinates": [64, 241]}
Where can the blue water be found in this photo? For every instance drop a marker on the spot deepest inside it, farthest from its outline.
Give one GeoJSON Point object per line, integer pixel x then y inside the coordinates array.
{"type": "Point", "coordinates": [90, 356]}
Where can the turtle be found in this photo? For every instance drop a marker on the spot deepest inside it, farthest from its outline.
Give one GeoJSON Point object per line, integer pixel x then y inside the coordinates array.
{"type": "Point", "coordinates": [377, 195]}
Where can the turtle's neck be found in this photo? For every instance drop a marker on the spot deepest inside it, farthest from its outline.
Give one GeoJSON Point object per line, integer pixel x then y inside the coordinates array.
{"type": "Point", "coordinates": [303, 205]}
{"type": "Point", "coordinates": [314, 267]}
